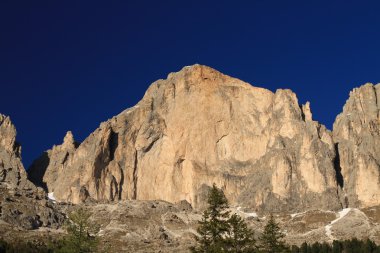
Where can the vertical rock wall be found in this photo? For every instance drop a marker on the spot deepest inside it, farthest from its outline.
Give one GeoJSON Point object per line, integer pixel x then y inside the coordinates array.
{"type": "Point", "coordinates": [196, 128]}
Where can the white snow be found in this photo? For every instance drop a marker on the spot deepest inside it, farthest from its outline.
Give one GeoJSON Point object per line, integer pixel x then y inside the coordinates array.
{"type": "Point", "coordinates": [328, 227]}
{"type": "Point", "coordinates": [101, 232]}
{"type": "Point", "coordinates": [51, 196]}
{"type": "Point", "coordinates": [246, 215]}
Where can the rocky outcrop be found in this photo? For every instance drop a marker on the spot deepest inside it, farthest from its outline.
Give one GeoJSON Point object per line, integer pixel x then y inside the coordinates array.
{"type": "Point", "coordinates": [46, 169]}
{"type": "Point", "coordinates": [357, 136]}
{"type": "Point", "coordinates": [21, 202]}
{"type": "Point", "coordinates": [12, 171]}
{"type": "Point", "coordinates": [196, 128]}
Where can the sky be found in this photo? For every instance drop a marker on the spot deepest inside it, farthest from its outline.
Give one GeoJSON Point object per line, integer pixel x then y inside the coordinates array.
{"type": "Point", "coordinates": [69, 65]}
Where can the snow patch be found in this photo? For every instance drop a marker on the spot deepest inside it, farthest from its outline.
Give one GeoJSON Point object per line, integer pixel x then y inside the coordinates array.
{"type": "Point", "coordinates": [328, 227]}
{"type": "Point", "coordinates": [51, 196]}
{"type": "Point", "coordinates": [246, 215]}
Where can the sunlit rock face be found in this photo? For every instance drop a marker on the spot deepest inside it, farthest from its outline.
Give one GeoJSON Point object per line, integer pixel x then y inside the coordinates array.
{"type": "Point", "coordinates": [357, 134]}
{"type": "Point", "coordinates": [22, 204]}
{"type": "Point", "coordinates": [45, 171]}
{"type": "Point", "coordinates": [196, 128]}
{"type": "Point", "coordinates": [12, 172]}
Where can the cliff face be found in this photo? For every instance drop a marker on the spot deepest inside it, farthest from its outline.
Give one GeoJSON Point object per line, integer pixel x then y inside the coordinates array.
{"type": "Point", "coordinates": [12, 171]}
{"type": "Point", "coordinates": [45, 170]}
{"type": "Point", "coordinates": [21, 202]}
{"type": "Point", "coordinates": [357, 134]}
{"type": "Point", "coordinates": [196, 128]}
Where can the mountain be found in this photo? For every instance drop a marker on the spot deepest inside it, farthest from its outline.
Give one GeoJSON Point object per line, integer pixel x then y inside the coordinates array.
{"type": "Point", "coordinates": [22, 204]}
{"type": "Point", "coordinates": [357, 137]}
{"type": "Point", "coordinates": [140, 173]}
{"type": "Point", "coordinates": [196, 128]}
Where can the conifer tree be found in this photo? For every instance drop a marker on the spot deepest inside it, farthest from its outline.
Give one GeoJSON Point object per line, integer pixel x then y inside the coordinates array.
{"type": "Point", "coordinates": [80, 230]}
{"type": "Point", "coordinates": [337, 247]}
{"type": "Point", "coordinates": [295, 249]}
{"type": "Point", "coordinates": [213, 226]}
{"type": "Point", "coordinates": [221, 232]}
{"type": "Point", "coordinates": [303, 248]}
{"type": "Point", "coordinates": [240, 238]}
{"type": "Point", "coordinates": [271, 241]}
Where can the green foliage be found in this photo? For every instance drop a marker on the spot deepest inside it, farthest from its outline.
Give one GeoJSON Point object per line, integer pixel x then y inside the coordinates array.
{"type": "Point", "coordinates": [240, 238]}
{"type": "Point", "coordinates": [271, 241]}
{"type": "Point", "coordinates": [213, 225]}
{"type": "Point", "coordinates": [80, 238]}
{"type": "Point", "coordinates": [347, 246]}
{"type": "Point", "coordinates": [23, 247]}
{"type": "Point", "coordinates": [219, 231]}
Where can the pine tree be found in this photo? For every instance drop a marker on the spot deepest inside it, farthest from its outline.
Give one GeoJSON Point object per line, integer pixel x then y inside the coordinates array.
{"type": "Point", "coordinates": [240, 238]}
{"type": "Point", "coordinates": [295, 249]}
{"type": "Point", "coordinates": [303, 248]}
{"type": "Point", "coordinates": [214, 225]}
{"type": "Point", "coordinates": [337, 247]}
{"type": "Point", "coordinates": [315, 248]}
{"type": "Point", "coordinates": [221, 232]}
{"type": "Point", "coordinates": [368, 246]}
{"type": "Point", "coordinates": [325, 248]}
{"type": "Point", "coordinates": [80, 230]}
{"type": "Point", "coordinates": [271, 241]}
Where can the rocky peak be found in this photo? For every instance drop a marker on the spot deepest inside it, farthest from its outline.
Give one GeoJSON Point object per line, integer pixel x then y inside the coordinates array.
{"type": "Point", "coordinates": [41, 174]}
{"type": "Point", "coordinates": [307, 112]}
{"type": "Point", "coordinates": [8, 135]}
{"type": "Point", "coordinates": [196, 128]}
{"type": "Point", "coordinates": [361, 109]}
{"type": "Point", "coordinates": [21, 202]}
{"type": "Point", "coordinates": [357, 135]}
{"type": "Point", "coordinates": [68, 141]}
{"type": "Point", "coordinates": [11, 169]}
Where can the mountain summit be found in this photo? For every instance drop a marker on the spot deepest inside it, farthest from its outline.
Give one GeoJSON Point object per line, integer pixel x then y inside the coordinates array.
{"type": "Point", "coordinates": [200, 127]}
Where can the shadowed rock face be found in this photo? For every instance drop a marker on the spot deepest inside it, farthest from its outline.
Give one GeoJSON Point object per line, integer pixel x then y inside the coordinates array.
{"type": "Point", "coordinates": [357, 134]}
{"type": "Point", "coordinates": [196, 128]}
{"type": "Point", "coordinates": [21, 202]}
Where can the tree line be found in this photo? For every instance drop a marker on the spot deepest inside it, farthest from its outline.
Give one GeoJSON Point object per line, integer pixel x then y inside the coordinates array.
{"type": "Point", "coordinates": [220, 232]}
{"type": "Point", "coordinates": [346, 246]}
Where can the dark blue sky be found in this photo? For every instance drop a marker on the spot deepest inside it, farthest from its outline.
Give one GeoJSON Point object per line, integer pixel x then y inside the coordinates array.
{"type": "Point", "coordinates": [68, 65]}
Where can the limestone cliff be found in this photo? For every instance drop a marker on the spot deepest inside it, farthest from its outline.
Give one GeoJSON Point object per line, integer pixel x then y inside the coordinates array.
{"type": "Point", "coordinates": [46, 169]}
{"type": "Point", "coordinates": [21, 202]}
{"type": "Point", "coordinates": [12, 171]}
{"type": "Point", "coordinates": [357, 136]}
{"type": "Point", "coordinates": [196, 128]}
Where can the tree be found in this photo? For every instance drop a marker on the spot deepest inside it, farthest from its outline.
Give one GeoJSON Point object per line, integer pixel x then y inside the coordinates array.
{"type": "Point", "coordinates": [337, 247]}
{"type": "Point", "coordinates": [325, 248]}
{"type": "Point", "coordinates": [315, 248]}
{"type": "Point", "coordinates": [271, 241]}
{"type": "Point", "coordinates": [295, 249]}
{"type": "Point", "coordinates": [240, 238]}
{"type": "Point", "coordinates": [368, 246]}
{"type": "Point", "coordinates": [303, 248]}
{"type": "Point", "coordinates": [213, 226]}
{"type": "Point", "coordinates": [219, 231]}
{"type": "Point", "coordinates": [81, 230]}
